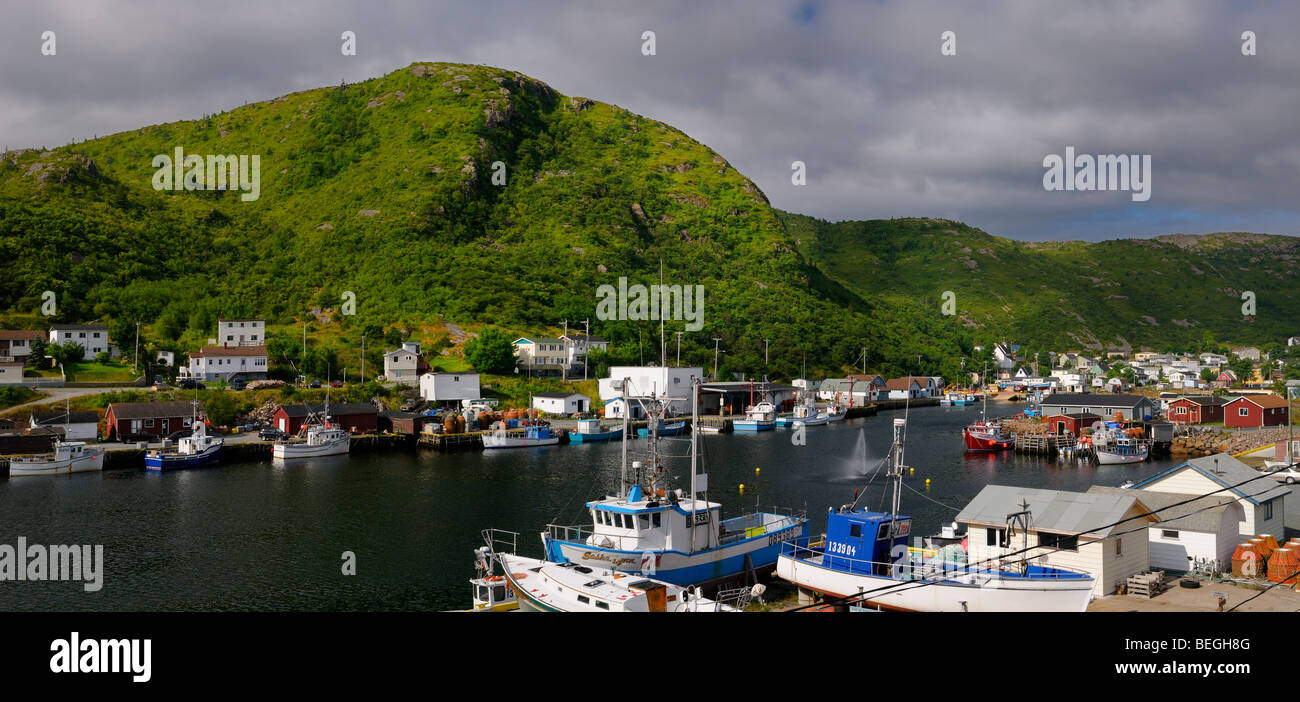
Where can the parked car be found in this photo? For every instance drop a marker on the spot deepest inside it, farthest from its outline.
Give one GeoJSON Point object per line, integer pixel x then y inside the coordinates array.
{"type": "Point", "coordinates": [336, 383]}
{"type": "Point", "coordinates": [238, 384]}
{"type": "Point", "coordinates": [271, 434]}
{"type": "Point", "coordinates": [1287, 474]}
{"type": "Point", "coordinates": [191, 384]}
{"type": "Point", "coordinates": [315, 385]}
{"type": "Point", "coordinates": [178, 434]}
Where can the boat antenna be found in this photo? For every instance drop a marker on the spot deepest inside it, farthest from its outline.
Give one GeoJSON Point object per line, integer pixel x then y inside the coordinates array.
{"type": "Point", "coordinates": [627, 411]}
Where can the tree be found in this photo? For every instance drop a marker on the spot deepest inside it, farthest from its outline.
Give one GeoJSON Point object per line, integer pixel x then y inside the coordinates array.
{"type": "Point", "coordinates": [1209, 374]}
{"type": "Point", "coordinates": [36, 358]}
{"type": "Point", "coordinates": [73, 352]}
{"type": "Point", "coordinates": [491, 352]}
{"type": "Point", "coordinates": [103, 357]}
{"type": "Point", "coordinates": [221, 407]}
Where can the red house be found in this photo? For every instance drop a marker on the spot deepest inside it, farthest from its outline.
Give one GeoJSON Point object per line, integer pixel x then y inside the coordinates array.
{"type": "Point", "coordinates": [1071, 423]}
{"type": "Point", "coordinates": [129, 421]}
{"type": "Point", "coordinates": [355, 417]}
{"type": "Point", "coordinates": [1196, 409]}
{"type": "Point", "coordinates": [1254, 411]}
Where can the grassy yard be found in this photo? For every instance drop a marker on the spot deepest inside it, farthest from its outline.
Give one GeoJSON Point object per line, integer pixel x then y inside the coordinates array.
{"type": "Point", "coordinates": [92, 372]}
{"type": "Point", "coordinates": [11, 395]}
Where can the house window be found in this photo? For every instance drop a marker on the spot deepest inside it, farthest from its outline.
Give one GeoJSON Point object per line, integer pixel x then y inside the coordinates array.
{"type": "Point", "coordinates": [148, 422]}
{"type": "Point", "coordinates": [1169, 534]}
{"type": "Point", "coordinates": [1243, 412]}
{"type": "Point", "coordinates": [1119, 547]}
{"type": "Point", "coordinates": [1181, 410]}
{"type": "Point", "coordinates": [1062, 542]}
{"type": "Point", "coordinates": [1268, 510]}
{"type": "Point", "coordinates": [995, 537]}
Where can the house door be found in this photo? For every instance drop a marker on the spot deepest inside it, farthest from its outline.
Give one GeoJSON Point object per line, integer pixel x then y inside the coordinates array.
{"type": "Point", "coordinates": [1060, 427]}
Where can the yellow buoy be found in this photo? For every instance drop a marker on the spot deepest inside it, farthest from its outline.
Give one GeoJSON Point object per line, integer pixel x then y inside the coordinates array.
{"type": "Point", "coordinates": [911, 471]}
{"type": "Point", "coordinates": [756, 470]}
{"type": "Point", "coordinates": [742, 488]}
{"type": "Point", "coordinates": [927, 483]}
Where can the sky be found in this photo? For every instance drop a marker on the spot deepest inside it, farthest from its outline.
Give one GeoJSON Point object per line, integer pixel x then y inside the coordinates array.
{"type": "Point", "coordinates": [886, 122]}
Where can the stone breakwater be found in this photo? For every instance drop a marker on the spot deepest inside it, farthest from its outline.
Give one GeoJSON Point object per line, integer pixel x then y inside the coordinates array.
{"type": "Point", "coordinates": [1232, 442]}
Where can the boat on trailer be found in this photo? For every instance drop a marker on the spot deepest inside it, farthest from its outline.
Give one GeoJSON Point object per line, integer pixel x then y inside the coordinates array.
{"type": "Point", "coordinates": [674, 535]}
{"type": "Point", "coordinates": [866, 559]}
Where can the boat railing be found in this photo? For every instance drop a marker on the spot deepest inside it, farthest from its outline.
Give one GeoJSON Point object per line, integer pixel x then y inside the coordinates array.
{"type": "Point", "coordinates": [910, 567]}
{"type": "Point", "coordinates": [561, 532]}
{"type": "Point", "coordinates": [500, 540]}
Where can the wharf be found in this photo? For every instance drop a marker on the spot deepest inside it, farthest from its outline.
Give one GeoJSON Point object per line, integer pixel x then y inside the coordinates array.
{"type": "Point", "coordinates": [1046, 444]}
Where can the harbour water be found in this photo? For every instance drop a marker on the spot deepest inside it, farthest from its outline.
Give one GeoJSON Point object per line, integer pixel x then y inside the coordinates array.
{"type": "Point", "coordinates": [262, 536]}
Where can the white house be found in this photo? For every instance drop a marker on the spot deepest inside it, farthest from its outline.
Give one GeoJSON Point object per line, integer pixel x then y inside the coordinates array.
{"type": "Point", "coordinates": [668, 383]}
{"type": "Point", "coordinates": [561, 403]}
{"type": "Point", "coordinates": [92, 337]}
{"type": "Point", "coordinates": [17, 343]}
{"type": "Point", "coordinates": [241, 332]}
{"type": "Point", "coordinates": [1003, 356]}
{"type": "Point", "coordinates": [11, 372]}
{"type": "Point", "coordinates": [579, 345]}
{"type": "Point", "coordinates": [1263, 500]}
{"type": "Point", "coordinates": [402, 366]}
{"type": "Point", "coordinates": [1190, 528]}
{"type": "Point", "coordinates": [450, 387]}
{"type": "Point", "coordinates": [850, 390]}
{"type": "Point", "coordinates": [167, 357]}
{"type": "Point", "coordinates": [226, 363]}
{"type": "Point", "coordinates": [1065, 529]}
{"type": "Point", "coordinates": [77, 426]}
{"type": "Point", "coordinates": [616, 409]}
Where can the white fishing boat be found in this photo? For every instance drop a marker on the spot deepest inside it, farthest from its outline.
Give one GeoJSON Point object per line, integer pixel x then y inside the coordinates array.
{"type": "Point", "coordinates": [836, 412]}
{"type": "Point", "coordinates": [197, 449]}
{"type": "Point", "coordinates": [544, 586]}
{"type": "Point", "coordinates": [805, 413]}
{"type": "Point", "coordinates": [1122, 450]}
{"type": "Point", "coordinates": [521, 438]}
{"type": "Point", "coordinates": [491, 591]}
{"type": "Point", "coordinates": [675, 535]}
{"type": "Point", "coordinates": [759, 417]}
{"type": "Point", "coordinates": [67, 457]}
{"type": "Point", "coordinates": [320, 436]}
{"type": "Point", "coordinates": [866, 558]}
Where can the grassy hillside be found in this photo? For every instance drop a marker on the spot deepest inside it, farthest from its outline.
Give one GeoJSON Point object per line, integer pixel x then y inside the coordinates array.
{"type": "Point", "coordinates": [1163, 293]}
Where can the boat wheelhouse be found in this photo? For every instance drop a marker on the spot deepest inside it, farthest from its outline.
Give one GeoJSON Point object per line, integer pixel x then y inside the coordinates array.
{"type": "Point", "coordinates": [674, 535]}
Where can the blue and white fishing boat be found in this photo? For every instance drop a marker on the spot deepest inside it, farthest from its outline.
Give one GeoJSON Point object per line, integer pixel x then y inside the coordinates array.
{"type": "Point", "coordinates": [804, 413]}
{"type": "Point", "coordinates": [535, 435]}
{"type": "Point", "coordinates": [197, 449]}
{"type": "Point", "coordinates": [759, 417]}
{"type": "Point", "coordinates": [866, 558]}
{"type": "Point", "coordinates": [590, 430]}
{"type": "Point", "coordinates": [676, 536]}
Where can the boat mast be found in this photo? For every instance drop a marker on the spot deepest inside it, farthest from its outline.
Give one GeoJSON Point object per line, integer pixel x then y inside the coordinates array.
{"type": "Point", "coordinates": [695, 430]}
{"type": "Point", "coordinates": [627, 412]}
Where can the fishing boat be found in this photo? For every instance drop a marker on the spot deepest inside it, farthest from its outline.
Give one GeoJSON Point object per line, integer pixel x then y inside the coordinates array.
{"type": "Point", "coordinates": [836, 412]}
{"type": "Point", "coordinates": [865, 557]}
{"type": "Point", "coordinates": [491, 591]}
{"type": "Point", "coordinates": [543, 586]}
{"type": "Point", "coordinates": [321, 436]}
{"type": "Point", "coordinates": [674, 535]}
{"type": "Point", "coordinates": [524, 437]}
{"type": "Point", "coordinates": [590, 430]}
{"type": "Point", "coordinates": [1124, 449]}
{"type": "Point", "coordinates": [67, 457]}
{"type": "Point", "coordinates": [759, 417]}
{"type": "Point", "coordinates": [984, 435]}
{"type": "Point", "coordinates": [804, 413]}
{"type": "Point", "coordinates": [664, 429]}
{"type": "Point", "coordinates": [197, 449]}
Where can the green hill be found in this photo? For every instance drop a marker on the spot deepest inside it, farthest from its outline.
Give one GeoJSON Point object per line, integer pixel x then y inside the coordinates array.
{"type": "Point", "coordinates": [386, 189]}
{"type": "Point", "coordinates": [1161, 293]}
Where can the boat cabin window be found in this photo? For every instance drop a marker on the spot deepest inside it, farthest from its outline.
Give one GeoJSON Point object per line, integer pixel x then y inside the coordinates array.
{"type": "Point", "coordinates": [584, 599]}
{"type": "Point", "coordinates": [602, 605]}
{"type": "Point", "coordinates": [645, 521]}
{"type": "Point", "coordinates": [654, 519]}
{"type": "Point", "coordinates": [499, 593]}
{"type": "Point", "coordinates": [481, 593]}
{"type": "Point", "coordinates": [882, 533]}
{"type": "Point", "coordinates": [855, 530]}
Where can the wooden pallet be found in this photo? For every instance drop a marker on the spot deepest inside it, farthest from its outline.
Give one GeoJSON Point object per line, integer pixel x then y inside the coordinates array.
{"type": "Point", "coordinates": [1146, 585]}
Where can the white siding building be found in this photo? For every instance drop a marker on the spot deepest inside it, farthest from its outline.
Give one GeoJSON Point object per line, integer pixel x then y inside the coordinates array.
{"type": "Point", "coordinates": [666, 382]}
{"type": "Point", "coordinates": [92, 337]}
{"type": "Point", "coordinates": [1203, 529]}
{"type": "Point", "coordinates": [402, 366]}
{"type": "Point", "coordinates": [226, 362]}
{"type": "Point", "coordinates": [561, 403]}
{"type": "Point", "coordinates": [1065, 529]}
{"type": "Point", "coordinates": [241, 332]}
{"type": "Point", "coordinates": [11, 372]}
{"type": "Point", "coordinates": [450, 388]}
{"type": "Point", "coordinates": [77, 426]}
{"type": "Point", "coordinates": [1263, 501]}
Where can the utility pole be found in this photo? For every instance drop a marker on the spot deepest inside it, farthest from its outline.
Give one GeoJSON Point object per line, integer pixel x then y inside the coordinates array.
{"type": "Point", "coordinates": [765, 342]}
{"type": "Point", "coordinates": [363, 357]}
{"type": "Point", "coordinates": [864, 360]}
{"type": "Point", "coordinates": [586, 349]}
{"type": "Point", "coordinates": [679, 348]}
{"type": "Point", "coordinates": [136, 362]}
{"type": "Point", "coordinates": [715, 358]}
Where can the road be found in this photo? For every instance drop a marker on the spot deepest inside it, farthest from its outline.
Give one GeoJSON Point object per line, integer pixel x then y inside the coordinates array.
{"type": "Point", "coordinates": [60, 394]}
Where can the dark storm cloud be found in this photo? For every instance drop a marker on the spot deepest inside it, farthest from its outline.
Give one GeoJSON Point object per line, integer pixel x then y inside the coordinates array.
{"type": "Point", "coordinates": [858, 91]}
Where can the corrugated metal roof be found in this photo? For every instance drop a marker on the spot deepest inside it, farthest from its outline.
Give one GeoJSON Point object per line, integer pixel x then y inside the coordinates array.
{"type": "Point", "coordinates": [1204, 514]}
{"type": "Point", "coordinates": [1057, 511]}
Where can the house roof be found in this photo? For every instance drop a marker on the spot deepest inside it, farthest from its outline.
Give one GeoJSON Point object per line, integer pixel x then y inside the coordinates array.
{"type": "Point", "coordinates": [1202, 400]}
{"type": "Point", "coordinates": [1200, 514]}
{"type": "Point", "coordinates": [1093, 399]}
{"type": "Point", "coordinates": [79, 327]}
{"type": "Point", "coordinates": [538, 340]}
{"type": "Point", "coordinates": [1056, 511]}
{"type": "Point", "coordinates": [904, 383]}
{"type": "Point", "coordinates": [559, 395]}
{"type": "Point", "coordinates": [1253, 486]}
{"type": "Point", "coordinates": [1265, 401]}
{"type": "Point", "coordinates": [49, 418]}
{"type": "Point", "coordinates": [12, 334]}
{"type": "Point", "coordinates": [338, 410]}
{"type": "Point", "coordinates": [226, 351]}
{"type": "Point", "coordinates": [397, 351]}
{"type": "Point", "coordinates": [152, 410]}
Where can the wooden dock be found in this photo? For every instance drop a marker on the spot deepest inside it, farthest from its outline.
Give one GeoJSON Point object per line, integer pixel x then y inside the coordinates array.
{"type": "Point", "coordinates": [452, 442]}
{"type": "Point", "coordinates": [1046, 444]}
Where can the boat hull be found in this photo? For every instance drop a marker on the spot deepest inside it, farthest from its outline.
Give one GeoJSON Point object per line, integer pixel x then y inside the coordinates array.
{"type": "Point", "coordinates": [680, 568]}
{"type": "Point", "coordinates": [1105, 457]}
{"type": "Point", "coordinates": [580, 438]}
{"type": "Point", "coordinates": [491, 441]}
{"type": "Point", "coordinates": [81, 464]}
{"type": "Point", "coordinates": [169, 461]}
{"type": "Point", "coordinates": [333, 448]}
{"type": "Point", "coordinates": [753, 424]}
{"type": "Point", "coordinates": [991, 595]}
{"type": "Point", "coordinates": [976, 442]}
{"type": "Point", "coordinates": [665, 430]}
